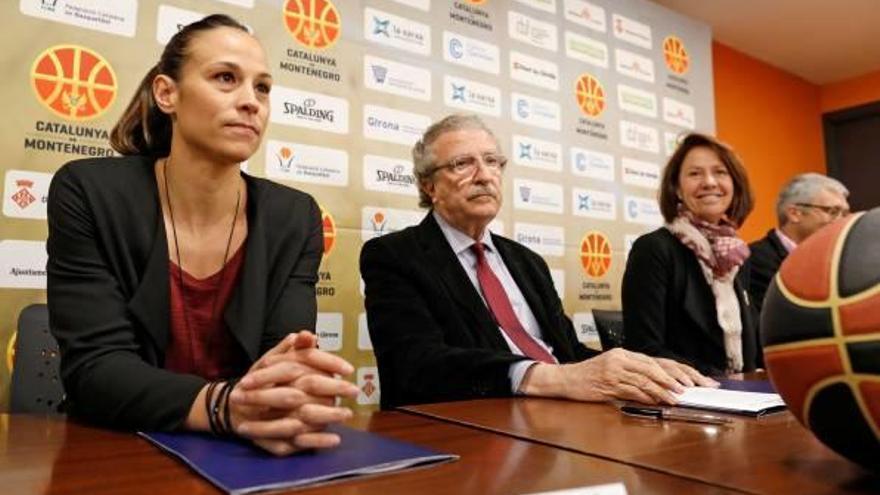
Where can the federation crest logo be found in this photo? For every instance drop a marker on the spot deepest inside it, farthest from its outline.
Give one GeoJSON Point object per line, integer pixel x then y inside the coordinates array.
{"type": "Point", "coordinates": [590, 95]}
{"type": "Point", "coordinates": [595, 254]}
{"type": "Point", "coordinates": [23, 197]}
{"type": "Point", "coordinates": [378, 222]}
{"type": "Point", "coordinates": [48, 5]}
{"type": "Point", "coordinates": [329, 226]}
{"type": "Point", "coordinates": [285, 158]}
{"type": "Point", "coordinates": [314, 24]}
{"type": "Point", "coordinates": [675, 55]}
{"type": "Point", "coordinates": [74, 82]}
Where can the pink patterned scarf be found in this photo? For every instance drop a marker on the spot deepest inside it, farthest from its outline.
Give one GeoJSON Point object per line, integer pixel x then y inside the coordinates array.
{"type": "Point", "coordinates": [727, 250]}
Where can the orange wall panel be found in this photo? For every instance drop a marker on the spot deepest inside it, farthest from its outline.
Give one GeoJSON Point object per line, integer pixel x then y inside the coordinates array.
{"type": "Point", "coordinates": [851, 92]}
{"type": "Point", "coordinates": [773, 120]}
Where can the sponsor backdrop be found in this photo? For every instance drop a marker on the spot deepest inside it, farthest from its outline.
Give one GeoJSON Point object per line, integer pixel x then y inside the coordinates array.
{"type": "Point", "coordinates": [587, 99]}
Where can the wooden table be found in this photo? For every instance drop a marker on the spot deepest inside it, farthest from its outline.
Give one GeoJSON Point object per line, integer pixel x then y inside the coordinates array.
{"type": "Point", "coordinates": [771, 455]}
{"type": "Point", "coordinates": [54, 456]}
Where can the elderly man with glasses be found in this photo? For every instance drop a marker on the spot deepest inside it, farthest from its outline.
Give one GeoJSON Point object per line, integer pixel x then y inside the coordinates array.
{"type": "Point", "coordinates": [806, 203]}
{"type": "Point", "coordinates": [456, 312]}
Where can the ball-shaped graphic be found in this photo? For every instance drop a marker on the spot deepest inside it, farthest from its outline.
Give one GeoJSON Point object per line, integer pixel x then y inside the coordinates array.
{"type": "Point", "coordinates": [73, 82]}
{"type": "Point", "coordinates": [595, 254]}
{"type": "Point", "coordinates": [675, 55]}
{"type": "Point", "coordinates": [821, 332]}
{"type": "Point", "coordinates": [329, 227]}
{"type": "Point", "coordinates": [314, 24]}
{"type": "Point", "coordinates": [590, 95]}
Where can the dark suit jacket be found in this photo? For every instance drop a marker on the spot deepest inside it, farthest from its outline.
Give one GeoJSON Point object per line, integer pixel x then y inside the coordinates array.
{"type": "Point", "coordinates": [108, 288]}
{"type": "Point", "coordinates": [434, 338]}
{"type": "Point", "coordinates": [669, 309]}
{"type": "Point", "coordinates": [767, 254]}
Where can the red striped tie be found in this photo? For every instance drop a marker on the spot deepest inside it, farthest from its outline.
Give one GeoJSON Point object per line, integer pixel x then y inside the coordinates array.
{"type": "Point", "coordinates": [499, 305]}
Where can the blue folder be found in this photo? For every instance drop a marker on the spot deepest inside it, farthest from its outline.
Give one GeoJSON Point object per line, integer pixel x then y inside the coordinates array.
{"type": "Point", "coordinates": [239, 467]}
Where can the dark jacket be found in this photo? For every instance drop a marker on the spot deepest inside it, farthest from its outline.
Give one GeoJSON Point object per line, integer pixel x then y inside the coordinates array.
{"type": "Point", "coordinates": [767, 254]}
{"type": "Point", "coordinates": [108, 288]}
{"type": "Point", "coordinates": [434, 338]}
{"type": "Point", "coordinates": [669, 308]}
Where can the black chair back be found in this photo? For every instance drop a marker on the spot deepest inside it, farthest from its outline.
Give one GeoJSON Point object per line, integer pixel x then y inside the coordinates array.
{"type": "Point", "coordinates": [36, 385]}
{"type": "Point", "coordinates": [609, 325]}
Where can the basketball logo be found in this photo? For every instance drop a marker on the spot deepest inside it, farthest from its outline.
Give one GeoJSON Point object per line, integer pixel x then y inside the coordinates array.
{"type": "Point", "coordinates": [590, 95]}
{"type": "Point", "coordinates": [314, 24]}
{"type": "Point", "coordinates": [675, 55]}
{"type": "Point", "coordinates": [477, 2]}
{"type": "Point", "coordinates": [595, 254]}
{"type": "Point", "coordinates": [329, 226]}
{"type": "Point", "coordinates": [10, 352]}
{"type": "Point", "coordinates": [73, 82]}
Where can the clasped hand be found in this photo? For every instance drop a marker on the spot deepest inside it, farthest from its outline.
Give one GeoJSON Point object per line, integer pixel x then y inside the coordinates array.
{"type": "Point", "coordinates": [288, 397]}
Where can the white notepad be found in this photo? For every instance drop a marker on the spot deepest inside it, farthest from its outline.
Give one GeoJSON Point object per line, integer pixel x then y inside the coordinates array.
{"type": "Point", "coordinates": [732, 401]}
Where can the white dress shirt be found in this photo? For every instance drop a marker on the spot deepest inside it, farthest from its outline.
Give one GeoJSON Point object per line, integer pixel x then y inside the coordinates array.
{"type": "Point", "coordinates": [461, 245]}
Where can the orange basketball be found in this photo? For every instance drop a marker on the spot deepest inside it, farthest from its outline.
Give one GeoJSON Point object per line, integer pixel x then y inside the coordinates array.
{"type": "Point", "coordinates": [73, 82]}
{"type": "Point", "coordinates": [595, 254]}
{"type": "Point", "coordinates": [675, 55]}
{"type": "Point", "coordinates": [821, 331]}
{"type": "Point", "coordinates": [314, 24]}
{"type": "Point", "coordinates": [329, 231]}
{"type": "Point", "coordinates": [590, 95]}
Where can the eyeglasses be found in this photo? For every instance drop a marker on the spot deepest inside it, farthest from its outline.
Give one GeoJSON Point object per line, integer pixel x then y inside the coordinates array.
{"type": "Point", "coordinates": [832, 211]}
{"type": "Point", "coordinates": [467, 164]}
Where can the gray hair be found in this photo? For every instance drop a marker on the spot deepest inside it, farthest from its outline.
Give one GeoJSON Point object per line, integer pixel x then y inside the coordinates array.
{"type": "Point", "coordinates": [802, 188]}
{"type": "Point", "coordinates": [423, 151]}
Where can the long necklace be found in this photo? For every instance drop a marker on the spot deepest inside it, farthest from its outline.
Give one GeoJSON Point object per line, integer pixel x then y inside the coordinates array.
{"type": "Point", "coordinates": [180, 283]}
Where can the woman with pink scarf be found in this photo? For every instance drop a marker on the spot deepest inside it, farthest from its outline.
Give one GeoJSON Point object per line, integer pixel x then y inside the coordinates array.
{"type": "Point", "coordinates": [684, 296]}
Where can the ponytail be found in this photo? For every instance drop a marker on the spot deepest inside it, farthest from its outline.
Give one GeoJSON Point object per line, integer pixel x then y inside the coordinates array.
{"type": "Point", "coordinates": [143, 129]}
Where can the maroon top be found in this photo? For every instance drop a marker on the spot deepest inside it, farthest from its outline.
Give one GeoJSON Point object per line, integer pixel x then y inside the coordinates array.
{"type": "Point", "coordinates": [205, 347]}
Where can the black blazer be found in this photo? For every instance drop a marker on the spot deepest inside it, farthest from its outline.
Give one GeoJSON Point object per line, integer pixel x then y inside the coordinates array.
{"type": "Point", "coordinates": [434, 338]}
{"type": "Point", "coordinates": [669, 308]}
{"type": "Point", "coordinates": [108, 291]}
{"type": "Point", "coordinates": [767, 254]}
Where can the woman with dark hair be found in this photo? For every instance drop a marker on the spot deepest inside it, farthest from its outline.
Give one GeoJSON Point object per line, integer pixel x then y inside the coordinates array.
{"type": "Point", "coordinates": [174, 280]}
{"type": "Point", "coordinates": [683, 293]}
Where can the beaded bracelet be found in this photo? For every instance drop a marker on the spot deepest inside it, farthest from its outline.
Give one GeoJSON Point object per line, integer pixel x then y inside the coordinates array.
{"type": "Point", "coordinates": [209, 406]}
{"type": "Point", "coordinates": [227, 415]}
{"type": "Point", "coordinates": [222, 397]}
